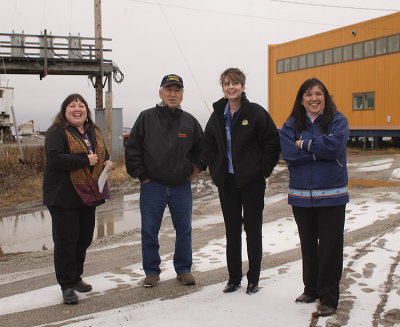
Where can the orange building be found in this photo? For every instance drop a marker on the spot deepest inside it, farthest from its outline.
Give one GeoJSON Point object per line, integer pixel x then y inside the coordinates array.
{"type": "Point", "coordinates": [360, 66]}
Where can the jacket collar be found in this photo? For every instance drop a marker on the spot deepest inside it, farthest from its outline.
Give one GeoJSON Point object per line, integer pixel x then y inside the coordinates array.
{"type": "Point", "coordinates": [219, 106]}
{"type": "Point", "coordinates": [164, 110]}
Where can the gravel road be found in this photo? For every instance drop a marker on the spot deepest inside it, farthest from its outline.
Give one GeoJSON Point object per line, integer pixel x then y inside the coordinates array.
{"type": "Point", "coordinates": [24, 272]}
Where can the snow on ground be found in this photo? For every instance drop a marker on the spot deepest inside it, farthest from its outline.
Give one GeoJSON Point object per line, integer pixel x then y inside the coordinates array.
{"type": "Point", "coordinates": [372, 165]}
{"type": "Point", "coordinates": [271, 304]}
{"type": "Point", "coordinates": [274, 305]}
{"type": "Point", "coordinates": [395, 174]}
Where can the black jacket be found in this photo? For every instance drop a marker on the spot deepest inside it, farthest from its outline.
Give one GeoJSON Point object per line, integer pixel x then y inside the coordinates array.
{"type": "Point", "coordinates": [163, 146]}
{"type": "Point", "coordinates": [254, 141]}
{"type": "Point", "coordinates": [57, 186]}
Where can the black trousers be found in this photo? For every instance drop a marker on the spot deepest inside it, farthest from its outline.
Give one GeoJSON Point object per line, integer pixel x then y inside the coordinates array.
{"type": "Point", "coordinates": [243, 206]}
{"type": "Point", "coordinates": [72, 234]}
{"type": "Point", "coordinates": [321, 237]}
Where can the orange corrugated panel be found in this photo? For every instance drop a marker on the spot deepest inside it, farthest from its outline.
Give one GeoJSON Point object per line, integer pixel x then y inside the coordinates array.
{"type": "Point", "coordinates": [378, 74]}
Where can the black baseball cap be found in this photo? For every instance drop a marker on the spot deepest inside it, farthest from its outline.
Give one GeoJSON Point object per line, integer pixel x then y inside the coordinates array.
{"type": "Point", "coordinates": [172, 79]}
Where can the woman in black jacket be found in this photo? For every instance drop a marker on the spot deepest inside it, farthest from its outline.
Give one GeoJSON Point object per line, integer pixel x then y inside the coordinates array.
{"type": "Point", "coordinates": [75, 158]}
{"type": "Point", "coordinates": [241, 148]}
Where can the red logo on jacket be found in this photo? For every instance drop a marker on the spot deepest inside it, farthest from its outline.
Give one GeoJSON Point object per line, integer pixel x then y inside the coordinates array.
{"type": "Point", "coordinates": [182, 135]}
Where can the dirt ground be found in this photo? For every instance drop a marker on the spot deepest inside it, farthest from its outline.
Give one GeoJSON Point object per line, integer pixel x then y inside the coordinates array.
{"type": "Point", "coordinates": [113, 258]}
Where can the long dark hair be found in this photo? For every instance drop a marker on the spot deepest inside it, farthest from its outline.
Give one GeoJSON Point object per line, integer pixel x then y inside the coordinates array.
{"type": "Point", "coordinates": [61, 121]}
{"type": "Point", "coordinates": [299, 113]}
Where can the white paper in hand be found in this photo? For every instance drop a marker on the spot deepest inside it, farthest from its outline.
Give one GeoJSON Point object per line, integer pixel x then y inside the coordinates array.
{"type": "Point", "coordinates": [104, 175]}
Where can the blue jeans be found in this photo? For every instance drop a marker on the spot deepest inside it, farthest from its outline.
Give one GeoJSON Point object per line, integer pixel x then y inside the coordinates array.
{"type": "Point", "coordinates": [154, 197]}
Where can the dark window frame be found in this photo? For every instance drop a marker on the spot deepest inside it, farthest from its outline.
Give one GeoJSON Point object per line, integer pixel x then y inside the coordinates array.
{"type": "Point", "coordinates": [286, 64]}
{"type": "Point", "coordinates": [386, 46]}
{"type": "Point", "coordinates": [341, 55]}
{"type": "Point", "coordinates": [373, 48]}
{"type": "Point", "coordinates": [398, 43]}
{"type": "Point", "coordinates": [279, 62]}
{"type": "Point", "coordinates": [363, 95]}
{"type": "Point", "coordinates": [308, 65]}
{"type": "Point", "coordinates": [327, 51]}
{"type": "Point", "coordinates": [305, 61]}
{"type": "Point", "coordinates": [348, 46]}
{"type": "Point", "coordinates": [354, 46]}
{"type": "Point", "coordinates": [322, 63]}
{"type": "Point", "coordinates": [292, 60]}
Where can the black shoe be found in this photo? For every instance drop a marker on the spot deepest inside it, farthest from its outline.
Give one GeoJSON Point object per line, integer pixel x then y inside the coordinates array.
{"type": "Point", "coordinates": [252, 288]}
{"type": "Point", "coordinates": [70, 296]}
{"type": "Point", "coordinates": [82, 287]}
{"type": "Point", "coordinates": [305, 298]}
{"type": "Point", "coordinates": [230, 287]}
{"type": "Point", "coordinates": [325, 310]}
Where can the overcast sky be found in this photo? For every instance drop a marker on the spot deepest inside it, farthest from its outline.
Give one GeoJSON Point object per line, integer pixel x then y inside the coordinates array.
{"type": "Point", "coordinates": [151, 38]}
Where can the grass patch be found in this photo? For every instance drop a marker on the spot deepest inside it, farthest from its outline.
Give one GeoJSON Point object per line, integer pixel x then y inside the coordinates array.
{"type": "Point", "coordinates": [22, 182]}
{"type": "Point", "coordinates": [119, 175]}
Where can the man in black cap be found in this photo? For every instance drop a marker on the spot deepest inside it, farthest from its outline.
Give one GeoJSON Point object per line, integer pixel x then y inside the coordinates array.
{"type": "Point", "coordinates": [162, 151]}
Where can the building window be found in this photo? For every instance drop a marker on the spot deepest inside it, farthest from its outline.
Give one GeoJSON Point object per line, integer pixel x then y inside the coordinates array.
{"type": "Point", "coordinates": [295, 63]}
{"type": "Point", "coordinates": [380, 46]}
{"type": "Point", "coordinates": [279, 66]}
{"type": "Point", "coordinates": [319, 58]}
{"type": "Point", "coordinates": [364, 101]}
{"type": "Point", "coordinates": [310, 60]}
{"type": "Point", "coordinates": [337, 55]}
{"type": "Point", "coordinates": [369, 100]}
{"type": "Point", "coordinates": [357, 101]}
{"type": "Point", "coordinates": [302, 62]}
{"type": "Point", "coordinates": [358, 51]}
{"type": "Point", "coordinates": [366, 49]}
{"type": "Point", "coordinates": [328, 57]}
{"type": "Point", "coordinates": [369, 48]}
{"type": "Point", "coordinates": [1, 93]}
{"type": "Point", "coordinates": [393, 43]}
{"type": "Point", "coordinates": [286, 65]}
{"type": "Point", "coordinates": [348, 52]}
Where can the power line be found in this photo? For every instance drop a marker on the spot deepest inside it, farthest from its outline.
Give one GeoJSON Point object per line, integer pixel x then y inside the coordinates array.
{"type": "Point", "coordinates": [234, 14]}
{"type": "Point", "coordinates": [43, 15]}
{"type": "Point", "coordinates": [14, 14]}
{"type": "Point", "coordinates": [183, 54]}
{"type": "Point", "coordinates": [70, 16]}
{"type": "Point", "coordinates": [332, 6]}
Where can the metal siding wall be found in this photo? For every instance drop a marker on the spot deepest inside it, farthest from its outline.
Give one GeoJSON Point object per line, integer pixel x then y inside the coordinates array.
{"type": "Point", "coordinates": [379, 74]}
{"type": "Point", "coordinates": [117, 141]}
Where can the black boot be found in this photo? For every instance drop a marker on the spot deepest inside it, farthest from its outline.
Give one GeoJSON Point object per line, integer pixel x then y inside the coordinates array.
{"type": "Point", "coordinates": [252, 288]}
{"type": "Point", "coordinates": [230, 287]}
{"type": "Point", "coordinates": [70, 296]}
{"type": "Point", "coordinates": [82, 287]}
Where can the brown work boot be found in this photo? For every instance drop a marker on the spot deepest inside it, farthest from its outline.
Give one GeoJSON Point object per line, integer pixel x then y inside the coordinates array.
{"type": "Point", "coordinates": [186, 278]}
{"type": "Point", "coordinates": [151, 280]}
{"type": "Point", "coordinates": [326, 310]}
{"type": "Point", "coordinates": [305, 298]}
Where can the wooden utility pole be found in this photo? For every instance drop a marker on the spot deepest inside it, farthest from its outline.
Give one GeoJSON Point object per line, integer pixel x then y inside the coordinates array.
{"type": "Point", "coordinates": [99, 53]}
{"type": "Point", "coordinates": [99, 79]}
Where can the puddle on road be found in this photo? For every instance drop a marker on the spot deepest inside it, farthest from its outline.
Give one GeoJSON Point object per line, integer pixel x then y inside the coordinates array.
{"type": "Point", "coordinates": [32, 232]}
{"type": "Point", "coordinates": [359, 183]}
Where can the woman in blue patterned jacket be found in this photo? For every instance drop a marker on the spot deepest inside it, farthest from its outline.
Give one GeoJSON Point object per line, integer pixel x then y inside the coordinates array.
{"type": "Point", "coordinates": [313, 142]}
